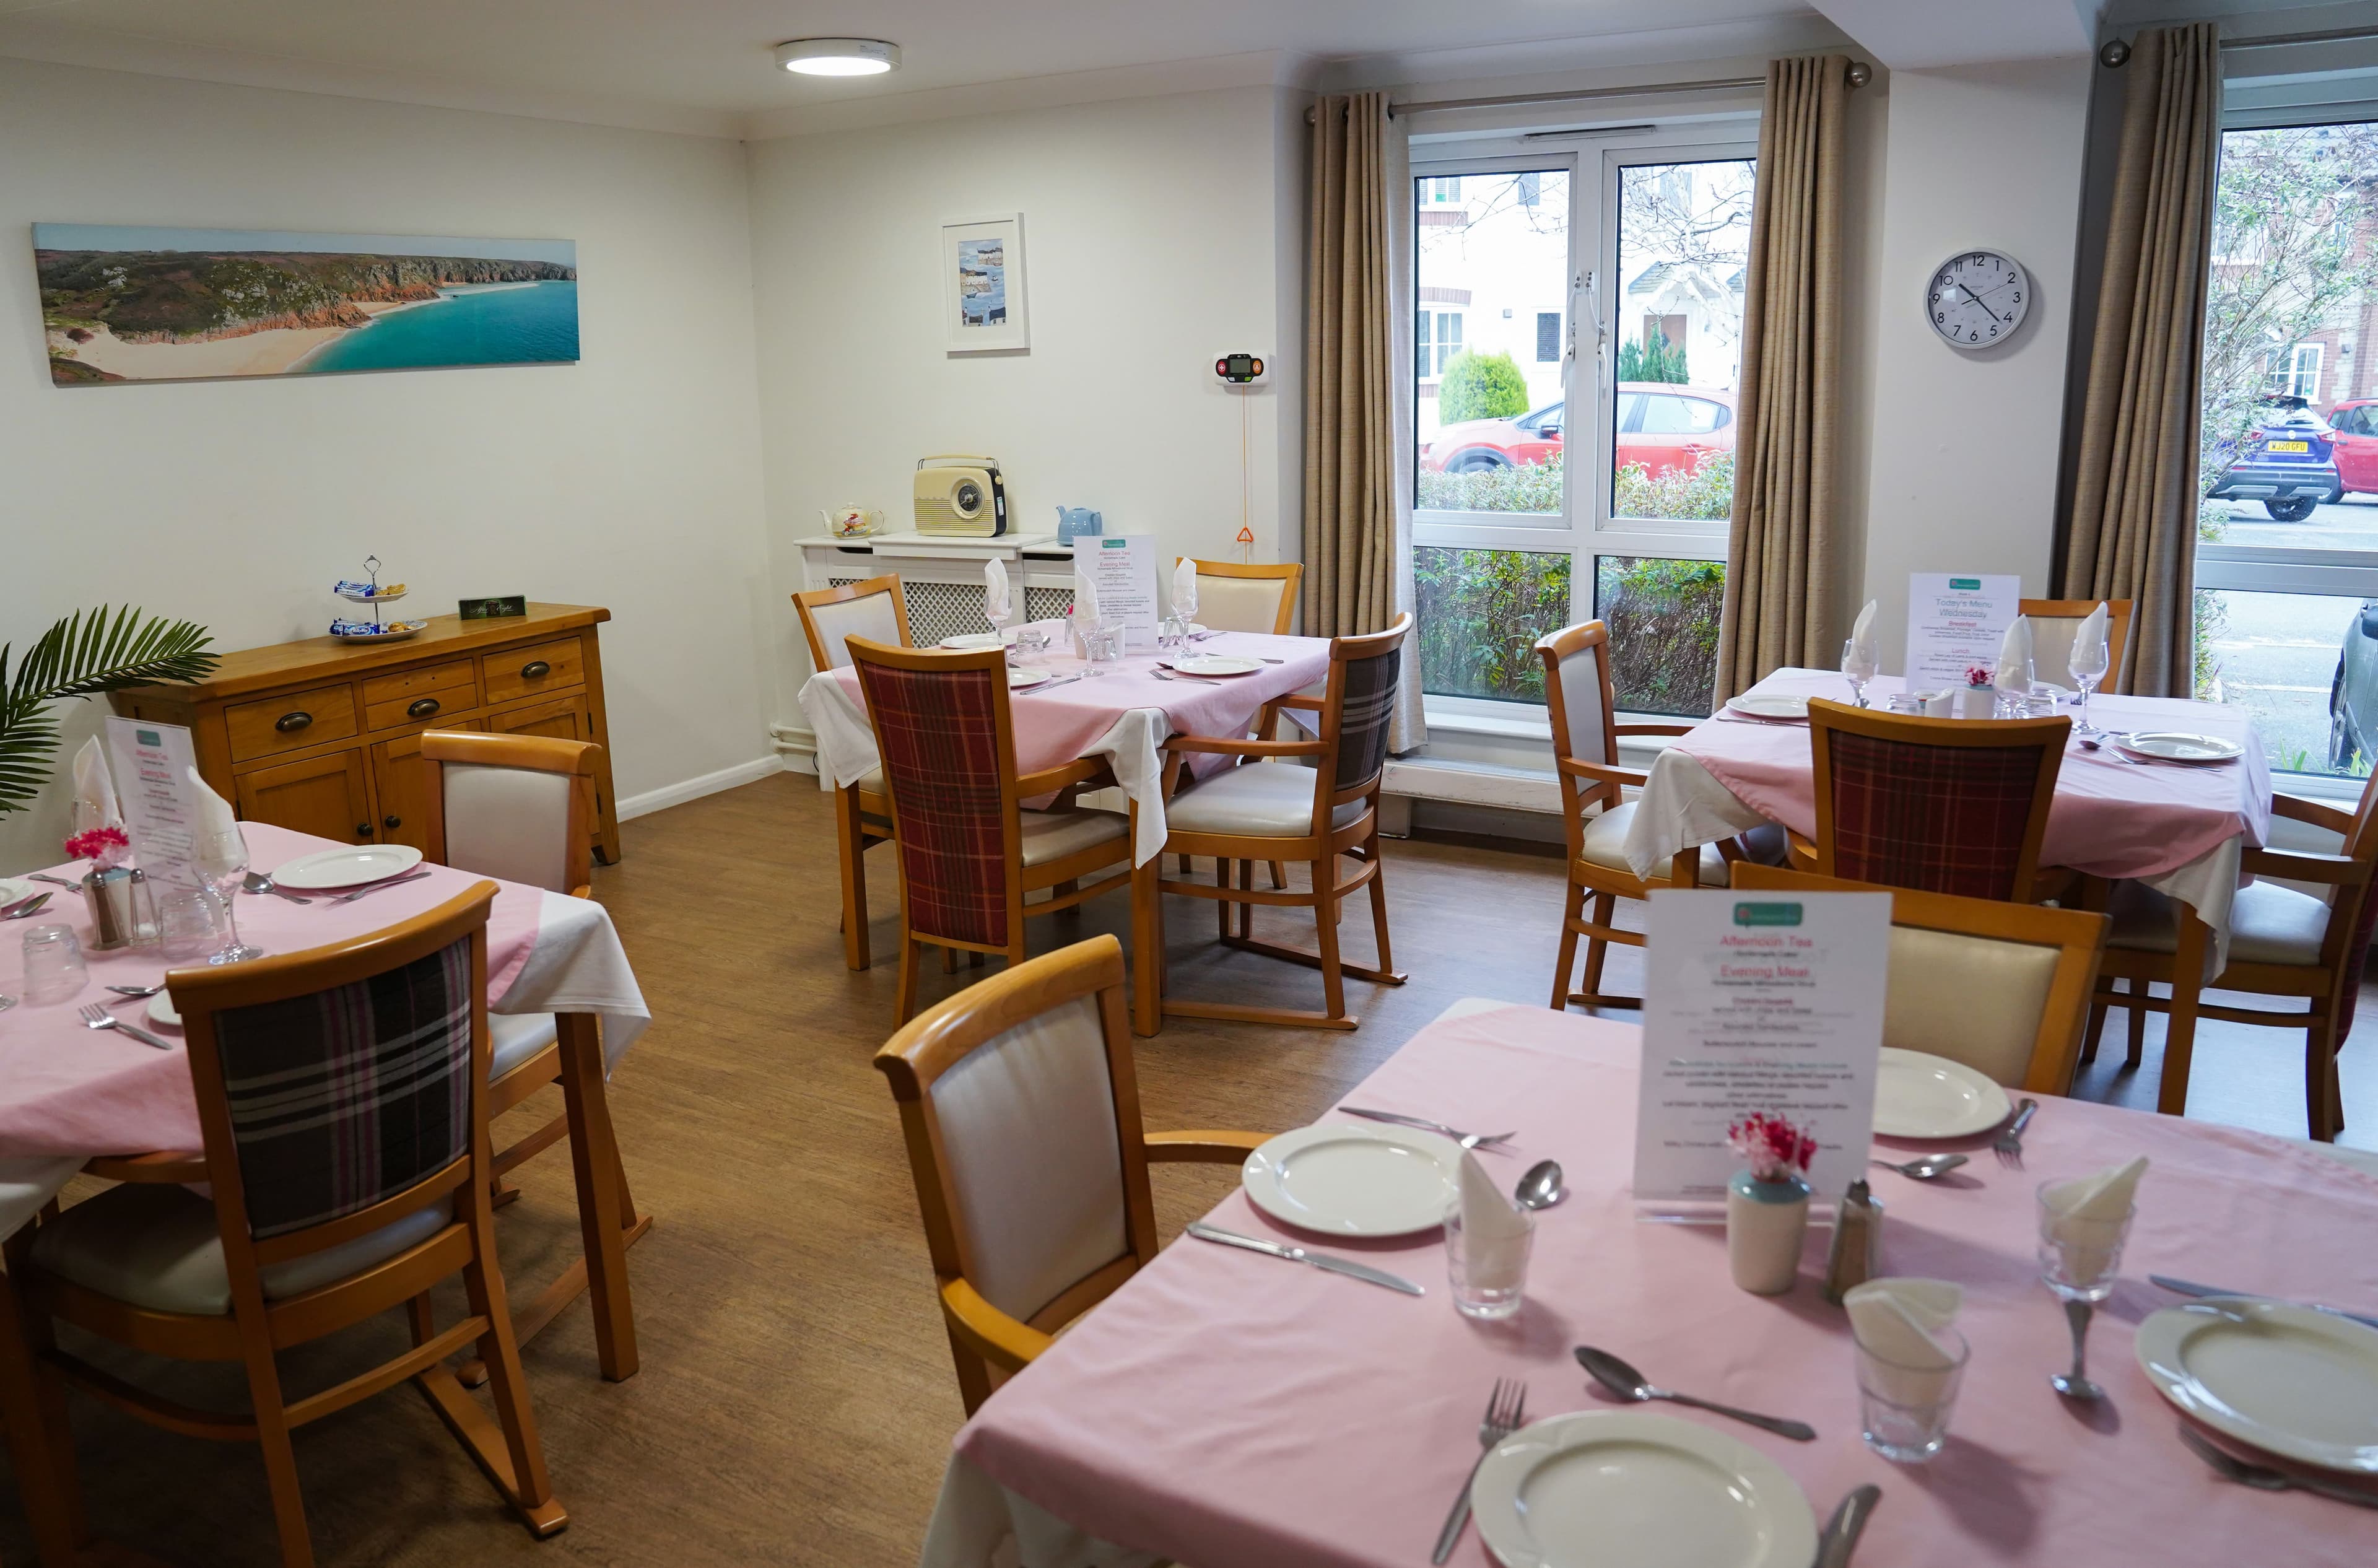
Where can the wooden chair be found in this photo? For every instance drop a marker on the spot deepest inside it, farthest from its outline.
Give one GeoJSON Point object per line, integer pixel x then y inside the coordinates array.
{"type": "Point", "coordinates": [1231, 597]}
{"type": "Point", "coordinates": [2283, 943]}
{"type": "Point", "coordinates": [522, 808]}
{"type": "Point", "coordinates": [2002, 987]}
{"type": "Point", "coordinates": [1954, 805]}
{"type": "Point", "coordinates": [1021, 1112]}
{"type": "Point", "coordinates": [875, 609]}
{"type": "Point", "coordinates": [291, 1060]}
{"type": "Point", "coordinates": [968, 853]}
{"type": "Point", "coordinates": [1582, 705]}
{"type": "Point", "coordinates": [2054, 623]}
{"type": "Point", "coordinates": [1314, 815]}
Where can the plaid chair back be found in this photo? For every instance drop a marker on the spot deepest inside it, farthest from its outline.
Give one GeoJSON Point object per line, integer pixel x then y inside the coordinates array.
{"type": "Point", "coordinates": [938, 734]}
{"type": "Point", "coordinates": [1938, 819]}
{"type": "Point", "coordinates": [349, 1096]}
{"type": "Point", "coordinates": [1367, 702]}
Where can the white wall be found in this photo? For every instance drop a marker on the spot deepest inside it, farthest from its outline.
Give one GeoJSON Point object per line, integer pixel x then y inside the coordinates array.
{"type": "Point", "coordinates": [1156, 235]}
{"type": "Point", "coordinates": [628, 480]}
{"type": "Point", "coordinates": [1961, 471]}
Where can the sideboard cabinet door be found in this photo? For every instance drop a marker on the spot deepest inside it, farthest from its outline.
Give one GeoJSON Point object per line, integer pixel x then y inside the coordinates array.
{"type": "Point", "coordinates": [329, 796]}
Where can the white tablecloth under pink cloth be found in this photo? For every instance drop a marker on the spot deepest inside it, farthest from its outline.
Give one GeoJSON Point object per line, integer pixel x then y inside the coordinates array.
{"type": "Point", "coordinates": [69, 1091]}
{"type": "Point", "coordinates": [2176, 829]}
{"type": "Point", "coordinates": [1123, 716]}
{"type": "Point", "coordinates": [1224, 1409]}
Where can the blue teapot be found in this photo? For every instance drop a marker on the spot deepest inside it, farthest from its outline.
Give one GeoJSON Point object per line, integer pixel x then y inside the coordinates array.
{"type": "Point", "coordinates": [1077, 522]}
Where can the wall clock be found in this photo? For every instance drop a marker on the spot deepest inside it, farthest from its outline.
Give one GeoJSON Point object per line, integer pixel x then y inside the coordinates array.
{"type": "Point", "coordinates": [1976, 298]}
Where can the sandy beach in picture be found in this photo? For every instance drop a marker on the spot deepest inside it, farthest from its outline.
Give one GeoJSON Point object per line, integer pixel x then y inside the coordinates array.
{"type": "Point", "coordinates": [254, 353]}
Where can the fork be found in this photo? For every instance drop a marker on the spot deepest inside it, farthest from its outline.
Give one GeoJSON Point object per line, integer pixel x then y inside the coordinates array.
{"type": "Point", "coordinates": [55, 881]}
{"type": "Point", "coordinates": [1201, 681]}
{"type": "Point", "coordinates": [379, 887]}
{"type": "Point", "coordinates": [1506, 1407]}
{"type": "Point", "coordinates": [2262, 1478]}
{"type": "Point", "coordinates": [95, 1017]}
{"type": "Point", "coordinates": [2007, 1145]}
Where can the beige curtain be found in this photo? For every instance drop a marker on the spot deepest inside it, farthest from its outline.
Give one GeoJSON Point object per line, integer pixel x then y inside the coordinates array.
{"type": "Point", "coordinates": [1358, 358]}
{"type": "Point", "coordinates": [1782, 593]}
{"type": "Point", "coordinates": [2133, 531]}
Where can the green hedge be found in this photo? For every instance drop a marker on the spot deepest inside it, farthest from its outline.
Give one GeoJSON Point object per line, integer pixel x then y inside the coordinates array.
{"type": "Point", "coordinates": [1705, 493]}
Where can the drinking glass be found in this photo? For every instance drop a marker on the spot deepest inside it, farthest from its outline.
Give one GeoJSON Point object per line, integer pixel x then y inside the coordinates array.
{"type": "Point", "coordinates": [2088, 667]}
{"type": "Point", "coordinates": [1906, 703]}
{"type": "Point", "coordinates": [1859, 666]}
{"type": "Point", "coordinates": [189, 923]}
{"type": "Point", "coordinates": [1489, 1277]}
{"type": "Point", "coordinates": [53, 967]}
{"type": "Point", "coordinates": [221, 859]}
{"type": "Point", "coordinates": [2078, 1257]}
{"type": "Point", "coordinates": [1904, 1411]}
{"type": "Point", "coordinates": [1031, 648]}
{"type": "Point", "coordinates": [1104, 645]}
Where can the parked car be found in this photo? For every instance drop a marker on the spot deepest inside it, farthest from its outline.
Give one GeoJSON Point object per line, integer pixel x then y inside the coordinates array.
{"type": "Point", "coordinates": [1662, 426]}
{"type": "Point", "coordinates": [2355, 450]}
{"type": "Point", "coordinates": [2353, 694]}
{"type": "Point", "coordinates": [2286, 461]}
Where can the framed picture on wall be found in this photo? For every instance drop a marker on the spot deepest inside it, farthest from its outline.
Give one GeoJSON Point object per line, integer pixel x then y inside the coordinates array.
{"type": "Point", "coordinates": [982, 285]}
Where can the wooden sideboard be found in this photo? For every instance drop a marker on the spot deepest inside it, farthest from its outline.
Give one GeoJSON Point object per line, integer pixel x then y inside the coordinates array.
{"type": "Point", "coordinates": [324, 736]}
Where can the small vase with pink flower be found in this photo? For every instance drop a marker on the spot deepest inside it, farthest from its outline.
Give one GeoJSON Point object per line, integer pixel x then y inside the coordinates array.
{"type": "Point", "coordinates": [1766, 1202]}
{"type": "Point", "coordinates": [123, 910]}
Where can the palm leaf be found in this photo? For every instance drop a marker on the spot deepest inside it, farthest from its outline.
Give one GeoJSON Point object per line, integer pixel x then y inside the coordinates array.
{"type": "Point", "coordinates": [89, 652]}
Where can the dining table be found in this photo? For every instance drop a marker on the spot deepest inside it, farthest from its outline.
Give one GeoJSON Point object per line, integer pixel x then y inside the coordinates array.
{"type": "Point", "coordinates": [1223, 1407]}
{"type": "Point", "coordinates": [73, 1098]}
{"type": "Point", "coordinates": [1122, 710]}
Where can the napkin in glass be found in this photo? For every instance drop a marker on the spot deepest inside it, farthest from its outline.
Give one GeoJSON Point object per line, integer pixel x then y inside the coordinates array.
{"type": "Point", "coordinates": [1899, 1323]}
{"type": "Point", "coordinates": [1086, 599]}
{"type": "Point", "coordinates": [2087, 1215]}
{"type": "Point", "coordinates": [214, 817]}
{"type": "Point", "coordinates": [2015, 656]}
{"type": "Point", "coordinates": [1493, 1232]}
{"type": "Point", "coordinates": [2090, 639]}
{"type": "Point", "coordinates": [994, 592]}
{"type": "Point", "coordinates": [94, 790]}
{"type": "Point", "coordinates": [1862, 635]}
{"type": "Point", "coordinates": [1185, 589]}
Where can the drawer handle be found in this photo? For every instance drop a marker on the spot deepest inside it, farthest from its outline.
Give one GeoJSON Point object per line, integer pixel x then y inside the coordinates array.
{"type": "Point", "coordinates": [391, 823]}
{"type": "Point", "coordinates": [535, 669]}
{"type": "Point", "coordinates": [289, 724]}
{"type": "Point", "coordinates": [424, 708]}
{"type": "Point", "coordinates": [363, 829]}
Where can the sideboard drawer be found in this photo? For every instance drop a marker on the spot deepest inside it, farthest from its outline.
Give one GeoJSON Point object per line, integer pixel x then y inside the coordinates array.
{"type": "Point", "coordinates": [524, 672]}
{"type": "Point", "coordinates": [419, 696]}
{"type": "Point", "coordinates": [285, 723]}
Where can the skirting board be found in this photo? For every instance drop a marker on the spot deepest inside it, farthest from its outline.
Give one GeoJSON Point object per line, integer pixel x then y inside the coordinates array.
{"type": "Point", "coordinates": [678, 794]}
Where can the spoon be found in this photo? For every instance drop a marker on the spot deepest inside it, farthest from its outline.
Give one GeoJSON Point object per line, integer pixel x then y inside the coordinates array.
{"type": "Point", "coordinates": [1540, 1188]}
{"type": "Point", "coordinates": [29, 906]}
{"type": "Point", "coordinates": [256, 881]}
{"type": "Point", "coordinates": [1926, 1169]}
{"type": "Point", "coordinates": [2072, 1384]}
{"type": "Point", "coordinates": [136, 991]}
{"type": "Point", "coordinates": [1840, 1539]}
{"type": "Point", "coordinates": [1627, 1384]}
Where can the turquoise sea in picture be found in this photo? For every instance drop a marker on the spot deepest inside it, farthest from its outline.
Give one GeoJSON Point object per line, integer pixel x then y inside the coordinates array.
{"type": "Point", "coordinates": [490, 324]}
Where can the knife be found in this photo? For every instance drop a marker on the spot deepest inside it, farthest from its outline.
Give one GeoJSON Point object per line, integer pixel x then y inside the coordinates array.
{"type": "Point", "coordinates": [379, 887]}
{"type": "Point", "coordinates": [1833, 1548]}
{"type": "Point", "coordinates": [2190, 1287]}
{"type": "Point", "coordinates": [1347, 1266]}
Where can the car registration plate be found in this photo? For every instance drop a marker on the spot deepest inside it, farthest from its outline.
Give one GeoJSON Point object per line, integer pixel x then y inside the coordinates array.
{"type": "Point", "coordinates": [2289, 447]}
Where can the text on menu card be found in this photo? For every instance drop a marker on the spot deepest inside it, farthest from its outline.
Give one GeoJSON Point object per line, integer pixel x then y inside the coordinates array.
{"type": "Point", "coordinates": [152, 763]}
{"type": "Point", "coordinates": [1954, 623]}
{"type": "Point", "coordinates": [1757, 1003]}
{"type": "Point", "coordinates": [1123, 571]}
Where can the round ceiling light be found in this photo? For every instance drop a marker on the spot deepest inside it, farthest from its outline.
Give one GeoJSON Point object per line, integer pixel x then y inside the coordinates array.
{"type": "Point", "coordinates": [839, 56]}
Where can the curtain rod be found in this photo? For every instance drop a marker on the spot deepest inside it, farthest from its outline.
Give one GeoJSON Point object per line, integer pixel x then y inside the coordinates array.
{"type": "Point", "coordinates": [1860, 73]}
{"type": "Point", "coordinates": [2116, 52]}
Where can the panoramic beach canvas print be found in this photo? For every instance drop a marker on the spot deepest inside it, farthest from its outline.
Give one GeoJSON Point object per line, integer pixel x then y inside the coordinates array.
{"type": "Point", "coordinates": [127, 304]}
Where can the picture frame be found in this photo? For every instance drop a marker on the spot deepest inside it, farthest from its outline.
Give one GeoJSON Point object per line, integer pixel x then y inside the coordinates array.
{"type": "Point", "coordinates": [984, 306]}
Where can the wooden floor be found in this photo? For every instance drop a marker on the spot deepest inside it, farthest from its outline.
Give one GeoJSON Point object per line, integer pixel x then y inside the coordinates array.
{"type": "Point", "coordinates": [795, 1400]}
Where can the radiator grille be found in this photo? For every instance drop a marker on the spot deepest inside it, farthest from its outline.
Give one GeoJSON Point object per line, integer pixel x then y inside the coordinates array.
{"type": "Point", "coordinates": [955, 609]}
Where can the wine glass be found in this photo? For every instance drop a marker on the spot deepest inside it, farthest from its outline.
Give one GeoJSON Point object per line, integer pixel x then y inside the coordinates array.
{"type": "Point", "coordinates": [2088, 665]}
{"type": "Point", "coordinates": [221, 859]}
{"type": "Point", "coordinates": [1859, 665]}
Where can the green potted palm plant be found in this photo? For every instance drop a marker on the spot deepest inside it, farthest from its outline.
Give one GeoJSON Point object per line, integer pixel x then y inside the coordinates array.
{"type": "Point", "coordinates": [87, 654]}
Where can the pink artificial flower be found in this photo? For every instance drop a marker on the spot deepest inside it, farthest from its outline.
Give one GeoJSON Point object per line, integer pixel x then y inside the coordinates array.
{"type": "Point", "coordinates": [1771, 1145]}
{"type": "Point", "coordinates": [1980, 675]}
{"type": "Point", "coordinates": [102, 846]}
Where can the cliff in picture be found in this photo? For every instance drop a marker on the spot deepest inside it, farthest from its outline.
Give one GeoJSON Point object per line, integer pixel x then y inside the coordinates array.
{"type": "Point", "coordinates": [178, 304]}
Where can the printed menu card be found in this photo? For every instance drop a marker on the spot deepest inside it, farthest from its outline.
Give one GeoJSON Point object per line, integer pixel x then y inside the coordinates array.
{"type": "Point", "coordinates": [1122, 568]}
{"type": "Point", "coordinates": [1955, 622]}
{"type": "Point", "coordinates": [152, 763]}
{"type": "Point", "coordinates": [1757, 1001]}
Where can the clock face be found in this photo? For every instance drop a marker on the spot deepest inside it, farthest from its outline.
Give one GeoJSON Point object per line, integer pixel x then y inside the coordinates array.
{"type": "Point", "coordinates": [1976, 298]}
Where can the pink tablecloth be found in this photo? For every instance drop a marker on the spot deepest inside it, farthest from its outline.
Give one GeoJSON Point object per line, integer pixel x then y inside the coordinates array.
{"type": "Point", "coordinates": [68, 1090]}
{"type": "Point", "coordinates": [1224, 1408]}
{"type": "Point", "coordinates": [2109, 819]}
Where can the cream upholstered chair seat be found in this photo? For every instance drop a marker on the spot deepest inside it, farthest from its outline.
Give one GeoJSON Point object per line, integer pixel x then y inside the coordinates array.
{"type": "Point", "coordinates": [156, 1245]}
{"type": "Point", "coordinates": [1973, 999]}
{"type": "Point", "coordinates": [1604, 844]}
{"type": "Point", "coordinates": [872, 782]}
{"type": "Point", "coordinates": [1240, 604]}
{"type": "Point", "coordinates": [517, 1037]}
{"type": "Point", "coordinates": [509, 822]}
{"type": "Point", "coordinates": [1265, 801]}
{"type": "Point", "coordinates": [1052, 835]}
{"type": "Point", "coordinates": [2268, 924]}
{"type": "Point", "coordinates": [879, 618]}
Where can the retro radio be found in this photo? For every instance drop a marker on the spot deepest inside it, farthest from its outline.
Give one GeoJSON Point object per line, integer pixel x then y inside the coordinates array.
{"type": "Point", "coordinates": [962, 495]}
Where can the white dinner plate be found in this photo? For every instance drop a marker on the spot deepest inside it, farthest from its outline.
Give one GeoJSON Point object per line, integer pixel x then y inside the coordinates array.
{"type": "Point", "coordinates": [2178, 746]}
{"type": "Point", "coordinates": [11, 890]}
{"type": "Point", "coordinates": [2291, 1380]}
{"type": "Point", "coordinates": [1018, 679]}
{"type": "Point", "coordinates": [160, 1011]}
{"type": "Point", "coordinates": [972, 640]}
{"type": "Point", "coordinates": [1773, 708]}
{"type": "Point", "coordinates": [1917, 1095]}
{"type": "Point", "coordinates": [1216, 665]}
{"type": "Point", "coordinates": [1621, 1489]}
{"type": "Point", "coordinates": [1354, 1180]}
{"type": "Point", "coordinates": [349, 867]}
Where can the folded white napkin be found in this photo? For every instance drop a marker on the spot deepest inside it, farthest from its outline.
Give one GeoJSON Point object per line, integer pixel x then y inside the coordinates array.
{"type": "Point", "coordinates": [1862, 634]}
{"type": "Point", "coordinates": [1493, 1231]}
{"type": "Point", "coordinates": [1185, 589]}
{"type": "Point", "coordinates": [2089, 642]}
{"type": "Point", "coordinates": [94, 790]}
{"type": "Point", "coordinates": [1900, 1320]}
{"type": "Point", "coordinates": [2015, 656]}
{"type": "Point", "coordinates": [2088, 1213]}
{"type": "Point", "coordinates": [214, 817]}
{"type": "Point", "coordinates": [994, 592]}
{"type": "Point", "coordinates": [1086, 599]}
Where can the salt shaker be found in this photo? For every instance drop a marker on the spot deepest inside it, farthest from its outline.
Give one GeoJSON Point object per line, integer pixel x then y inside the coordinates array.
{"type": "Point", "coordinates": [1856, 1255]}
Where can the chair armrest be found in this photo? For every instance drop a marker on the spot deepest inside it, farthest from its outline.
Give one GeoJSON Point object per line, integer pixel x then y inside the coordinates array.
{"type": "Point", "coordinates": [2318, 813]}
{"type": "Point", "coordinates": [987, 1331]}
{"type": "Point", "coordinates": [2306, 866]}
{"type": "Point", "coordinates": [1212, 744]}
{"type": "Point", "coordinates": [1655, 729]}
{"type": "Point", "coordinates": [1049, 780]}
{"type": "Point", "coordinates": [1603, 773]}
{"type": "Point", "coordinates": [1204, 1148]}
{"type": "Point", "coordinates": [1310, 704]}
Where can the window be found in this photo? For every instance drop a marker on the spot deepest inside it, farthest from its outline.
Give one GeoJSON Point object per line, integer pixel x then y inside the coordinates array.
{"type": "Point", "coordinates": [2303, 371]}
{"type": "Point", "coordinates": [1647, 244]}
